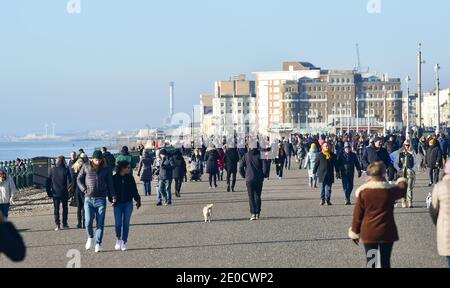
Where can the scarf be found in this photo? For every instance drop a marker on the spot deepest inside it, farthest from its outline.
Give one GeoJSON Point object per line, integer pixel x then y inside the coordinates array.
{"type": "Point", "coordinates": [327, 154]}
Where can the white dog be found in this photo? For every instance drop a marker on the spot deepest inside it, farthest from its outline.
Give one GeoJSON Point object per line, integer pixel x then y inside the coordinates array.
{"type": "Point", "coordinates": [207, 212]}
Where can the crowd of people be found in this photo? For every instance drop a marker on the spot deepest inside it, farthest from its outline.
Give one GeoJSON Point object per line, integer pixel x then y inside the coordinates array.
{"type": "Point", "coordinates": [391, 164]}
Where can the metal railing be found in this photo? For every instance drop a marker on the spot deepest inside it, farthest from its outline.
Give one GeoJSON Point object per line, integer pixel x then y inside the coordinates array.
{"type": "Point", "coordinates": [21, 173]}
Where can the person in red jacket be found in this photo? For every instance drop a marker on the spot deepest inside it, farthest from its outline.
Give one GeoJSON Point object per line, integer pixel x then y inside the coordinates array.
{"type": "Point", "coordinates": [221, 163]}
{"type": "Point", "coordinates": [373, 218]}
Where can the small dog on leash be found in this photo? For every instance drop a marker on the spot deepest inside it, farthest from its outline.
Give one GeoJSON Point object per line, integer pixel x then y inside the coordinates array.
{"type": "Point", "coordinates": [207, 213]}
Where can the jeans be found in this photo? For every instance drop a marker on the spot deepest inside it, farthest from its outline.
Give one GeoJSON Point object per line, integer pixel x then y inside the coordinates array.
{"type": "Point", "coordinates": [383, 250]}
{"type": "Point", "coordinates": [254, 190]}
{"type": "Point", "coordinates": [287, 162]}
{"type": "Point", "coordinates": [434, 175]}
{"type": "Point", "coordinates": [312, 182]}
{"type": "Point", "coordinates": [211, 178]}
{"type": "Point", "coordinates": [220, 176]}
{"type": "Point", "coordinates": [4, 209]}
{"type": "Point", "coordinates": [147, 188]}
{"type": "Point", "coordinates": [164, 190]}
{"type": "Point", "coordinates": [122, 217]}
{"type": "Point", "coordinates": [178, 184]}
{"type": "Point", "coordinates": [231, 180]}
{"type": "Point", "coordinates": [347, 183]}
{"type": "Point", "coordinates": [80, 210]}
{"type": "Point", "coordinates": [95, 207]}
{"type": "Point", "coordinates": [57, 203]}
{"type": "Point", "coordinates": [325, 190]}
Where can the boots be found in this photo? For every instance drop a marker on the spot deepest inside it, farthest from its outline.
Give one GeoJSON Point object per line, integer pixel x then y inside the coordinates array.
{"type": "Point", "coordinates": [409, 204]}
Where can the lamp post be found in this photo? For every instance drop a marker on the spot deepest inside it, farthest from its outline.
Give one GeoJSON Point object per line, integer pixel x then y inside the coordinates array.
{"type": "Point", "coordinates": [384, 112]}
{"type": "Point", "coordinates": [368, 114]}
{"type": "Point", "coordinates": [348, 117]}
{"type": "Point", "coordinates": [298, 118]}
{"type": "Point", "coordinates": [438, 123]}
{"type": "Point", "coordinates": [357, 113]}
{"type": "Point", "coordinates": [408, 79]}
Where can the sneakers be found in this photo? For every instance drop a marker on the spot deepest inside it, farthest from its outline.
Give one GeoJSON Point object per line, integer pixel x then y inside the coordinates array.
{"type": "Point", "coordinates": [348, 203]}
{"type": "Point", "coordinates": [253, 218]}
{"type": "Point", "coordinates": [118, 245]}
{"type": "Point", "coordinates": [124, 246]}
{"type": "Point", "coordinates": [322, 203]}
{"type": "Point", "coordinates": [257, 216]}
{"type": "Point", "coordinates": [159, 204]}
{"type": "Point", "coordinates": [210, 187]}
{"type": "Point", "coordinates": [57, 228]}
{"type": "Point", "coordinates": [89, 243]}
{"type": "Point", "coordinates": [98, 248]}
{"type": "Point", "coordinates": [329, 203]}
{"type": "Point", "coordinates": [409, 204]}
{"type": "Point", "coordinates": [66, 227]}
{"type": "Point", "coordinates": [403, 203]}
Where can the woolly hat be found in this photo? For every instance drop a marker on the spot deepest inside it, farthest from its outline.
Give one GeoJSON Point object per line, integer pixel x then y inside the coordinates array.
{"type": "Point", "coordinates": [97, 155]}
{"type": "Point", "coordinates": [432, 142]}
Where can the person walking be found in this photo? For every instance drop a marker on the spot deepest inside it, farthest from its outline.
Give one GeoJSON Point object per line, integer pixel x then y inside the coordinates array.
{"type": "Point", "coordinates": [376, 152]}
{"type": "Point", "coordinates": [324, 168]}
{"type": "Point", "coordinates": [407, 163]}
{"type": "Point", "coordinates": [109, 158]}
{"type": "Point", "coordinates": [96, 184]}
{"type": "Point", "coordinates": [251, 169]}
{"type": "Point", "coordinates": [267, 157]}
{"type": "Point", "coordinates": [220, 164]}
{"type": "Point", "coordinates": [288, 151]}
{"type": "Point", "coordinates": [78, 194]}
{"type": "Point", "coordinates": [7, 192]}
{"type": "Point", "coordinates": [301, 153]}
{"type": "Point", "coordinates": [348, 163]}
{"type": "Point", "coordinates": [373, 217]}
{"type": "Point", "coordinates": [231, 165]}
{"type": "Point", "coordinates": [434, 161]}
{"type": "Point", "coordinates": [164, 167]}
{"type": "Point", "coordinates": [59, 182]}
{"type": "Point", "coordinates": [212, 156]}
{"type": "Point", "coordinates": [440, 213]}
{"type": "Point", "coordinates": [179, 171]}
{"type": "Point", "coordinates": [311, 159]}
{"type": "Point", "coordinates": [145, 172]}
{"type": "Point", "coordinates": [126, 190]}
{"type": "Point", "coordinates": [280, 160]}
{"type": "Point", "coordinates": [126, 156]}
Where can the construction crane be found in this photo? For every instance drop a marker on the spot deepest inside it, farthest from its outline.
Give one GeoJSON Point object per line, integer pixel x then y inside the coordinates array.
{"type": "Point", "coordinates": [358, 68]}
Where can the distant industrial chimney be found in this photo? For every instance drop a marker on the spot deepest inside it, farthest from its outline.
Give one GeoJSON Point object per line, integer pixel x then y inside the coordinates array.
{"type": "Point", "coordinates": [171, 98]}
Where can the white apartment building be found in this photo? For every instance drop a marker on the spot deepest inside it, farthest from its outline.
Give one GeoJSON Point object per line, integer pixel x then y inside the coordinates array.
{"type": "Point", "coordinates": [429, 107]}
{"type": "Point", "coordinates": [269, 93]}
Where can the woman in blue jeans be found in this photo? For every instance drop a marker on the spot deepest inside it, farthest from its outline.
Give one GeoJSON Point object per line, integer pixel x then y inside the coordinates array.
{"type": "Point", "coordinates": [126, 190]}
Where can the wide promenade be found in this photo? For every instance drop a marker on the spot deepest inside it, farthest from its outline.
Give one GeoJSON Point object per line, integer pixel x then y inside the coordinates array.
{"type": "Point", "coordinates": [294, 232]}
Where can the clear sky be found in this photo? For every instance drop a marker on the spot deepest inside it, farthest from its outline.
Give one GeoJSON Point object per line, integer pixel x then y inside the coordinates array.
{"type": "Point", "coordinates": [109, 66]}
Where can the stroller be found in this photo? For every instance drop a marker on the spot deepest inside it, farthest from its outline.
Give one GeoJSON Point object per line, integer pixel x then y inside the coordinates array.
{"type": "Point", "coordinates": [195, 171]}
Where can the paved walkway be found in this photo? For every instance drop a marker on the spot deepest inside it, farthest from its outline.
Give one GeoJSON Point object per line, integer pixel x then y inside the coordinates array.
{"type": "Point", "coordinates": [293, 232]}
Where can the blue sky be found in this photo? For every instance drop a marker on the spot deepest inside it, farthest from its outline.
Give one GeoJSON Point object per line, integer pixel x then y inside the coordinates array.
{"type": "Point", "coordinates": [109, 66]}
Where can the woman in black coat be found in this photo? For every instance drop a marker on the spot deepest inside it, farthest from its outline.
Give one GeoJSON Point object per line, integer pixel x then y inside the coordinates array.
{"type": "Point", "coordinates": [324, 168]}
{"type": "Point", "coordinates": [179, 171]}
{"type": "Point", "coordinates": [145, 172]}
{"type": "Point", "coordinates": [212, 156]}
{"type": "Point", "coordinates": [280, 160]}
{"type": "Point", "coordinates": [252, 170]}
{"type": "Point", "coordinates": [231, 163]}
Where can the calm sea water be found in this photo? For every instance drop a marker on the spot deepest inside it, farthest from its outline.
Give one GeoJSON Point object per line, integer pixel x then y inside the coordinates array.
{"type": "Point", "coordinates": [30, 149]}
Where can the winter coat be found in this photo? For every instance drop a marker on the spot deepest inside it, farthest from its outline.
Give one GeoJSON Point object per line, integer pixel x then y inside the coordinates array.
{"type": "Point", "coordinates": [126, 189]}
{"type": "Point", "coordinates": [440, 211]}
{"type": "Point", "coordinates": [180, 167]}
{"type": "Point", "coordinates": [231, 160]}
{"type": "Point", "coordinates": [324, 169]}
{"type": "Point", "coordinates": [58, 182]}
{"type": "Point", "coordinates": [311, 162]}
{"type": "Point", "coordinates": [110, 159]}
{"type": "Point", "coordinates": [196, 163]}
{"type": "Point", "coordinates": [391, 146]}
{"type": "Point", "coordinates": [372, 155]}
{"type": "Point", "coordinates": [434, 157]}
{"type": "Point", "coordinates": [252, 167]}
{"type": "Point", "coordinates": [348, 162]}
{"type": "Point", "coordinates": [373, 216]}
{"type": "Point", "coordinates": [145, 169]}
{"type": "Point", "coordinates": [96, 184]}
{"type": "Point", "coordinates": [165, 168]}
{"type": "Point", "coordinates": [7, 189]}
{"type": "Point", "coordinates": [211, 161]}
{"type": "Point", "coordinates": [221, 160]}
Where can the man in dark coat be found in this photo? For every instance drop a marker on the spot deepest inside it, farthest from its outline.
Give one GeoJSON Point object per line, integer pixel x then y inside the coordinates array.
{"type": "Point", "coordinates": [288, 151]}
{"type": "Point", "coordinates": [377, 153]}
{"type": "Point", "coordinates": [348, 162]}
{"type": "Point", "coordinates": [433, 161]}
{"type": "Point", "coordinates": [179, 171]}
{"type": "Point", "coordinates": [212, 156]}
{"type": "Point", "coordinates": [59, 182]}
{"type": "Point", "coordinates": [231, 163]}
{"type": "Point", "coordinates": [252, 170]}
{"type": "Point", "coordinates": [326, 164]}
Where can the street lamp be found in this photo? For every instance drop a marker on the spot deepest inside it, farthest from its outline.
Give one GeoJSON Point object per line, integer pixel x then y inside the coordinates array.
{"type": "Point", "coordinates": [357, 113]}
{"type": "Point", "coordinates": [299, 128]}
{"type": "Point", "coordinates": [408, 79]}
{"type": "Point", "coordinates": [348, 117]}
{"type": "Point", "coordinates": [384, 112]}
{"type": "Point", "coordinates": [438, 123]}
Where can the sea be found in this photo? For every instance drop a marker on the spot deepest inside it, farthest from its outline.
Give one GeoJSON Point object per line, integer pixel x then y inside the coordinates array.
{"type": "Point", "coordinates": [29, 149]}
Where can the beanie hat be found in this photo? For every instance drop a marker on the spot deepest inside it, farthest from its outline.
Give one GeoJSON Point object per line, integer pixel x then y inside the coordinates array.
{"type": "Point", "coordinates": [124, 149]}
{"type": "Point", "coordinates": [433, 142]}
{"type": "Point", "coordinates": [97, 155]}
{"type": "Point", "coordinates": [347, 145]}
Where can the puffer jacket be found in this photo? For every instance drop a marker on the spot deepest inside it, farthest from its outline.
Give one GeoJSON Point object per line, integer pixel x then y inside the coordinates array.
{"type": "Point", "coordinates": [96, 184]}
{"type": "Point", "coordinates": [7, 189]}
{"type": "Point", "coordinates": [440, 211]}
{"type": "Point", "coordinates": [434, 157]}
